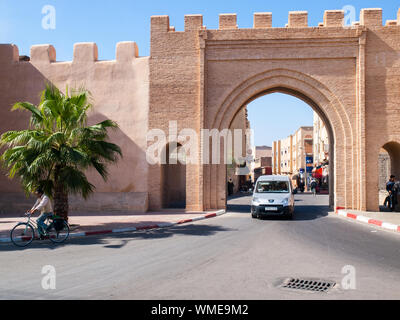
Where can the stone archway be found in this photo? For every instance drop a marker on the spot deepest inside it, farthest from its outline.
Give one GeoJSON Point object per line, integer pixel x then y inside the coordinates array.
{"type": "Point", "coordinates": [202, 77]}
{"type": "Point", "coordinates": [393, 149]}
{"type": "Point", "coordinates": [388, 164]}
{"type": "Point", "coordinates": [380, 175]}
{"type": "Point", "coordinates": [173, 178]}
{"type": "Point", "coordinates": [318, 97]}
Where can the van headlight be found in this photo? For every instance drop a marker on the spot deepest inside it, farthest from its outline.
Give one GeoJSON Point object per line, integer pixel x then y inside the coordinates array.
{"type": "Point", "coordinates": [256, 200]}
{"type": "Point", "coordinates": [285, 202]}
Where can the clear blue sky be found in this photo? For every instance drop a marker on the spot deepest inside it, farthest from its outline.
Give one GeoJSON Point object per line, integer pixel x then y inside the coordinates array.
{"type": "Point", "coordinates": [276, 116]}
{"type": "Point", "coordinates": [108, 22]}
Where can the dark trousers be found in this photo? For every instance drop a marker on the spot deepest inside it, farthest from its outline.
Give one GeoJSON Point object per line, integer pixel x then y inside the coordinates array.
{"type": "Point", "coordinates": [391, 201]}
{"type": "Point", "coordinates": [41, 221]}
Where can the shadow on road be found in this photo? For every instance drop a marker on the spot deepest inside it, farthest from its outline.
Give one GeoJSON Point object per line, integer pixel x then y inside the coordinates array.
{"type": "Point", "coordinates": [305, 213]}
{"type": "Point", "coordinates": [187, 230]}
{"type": "Point", "coordinates": [303, 210]}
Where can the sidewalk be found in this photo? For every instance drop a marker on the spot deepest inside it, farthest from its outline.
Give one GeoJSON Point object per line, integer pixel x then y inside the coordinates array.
{"type": "Point", "coordinates": [86, 224]}
{"type": "Point", "coordinates": [385, 220]}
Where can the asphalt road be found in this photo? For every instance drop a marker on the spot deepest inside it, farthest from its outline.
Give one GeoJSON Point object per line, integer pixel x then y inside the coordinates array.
{"type": "Point", "coordinates": [229, 257]}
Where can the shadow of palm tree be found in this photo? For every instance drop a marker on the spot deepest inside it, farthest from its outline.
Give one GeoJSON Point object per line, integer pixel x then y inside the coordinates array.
{"type": "Point", "coordinates": [125, 238]}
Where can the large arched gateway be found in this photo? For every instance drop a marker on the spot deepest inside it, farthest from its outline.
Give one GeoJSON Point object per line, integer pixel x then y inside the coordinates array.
{"type": "Point", "coordinates": [282, 81]}
{"type": "Point", "coordinates": [200, 79]}
{"type": "Point", "coordinates": [304, 87]}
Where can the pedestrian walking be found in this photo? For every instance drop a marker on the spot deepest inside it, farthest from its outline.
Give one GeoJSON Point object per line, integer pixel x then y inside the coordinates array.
{"type": "Point", "coordinates": [314, 187]}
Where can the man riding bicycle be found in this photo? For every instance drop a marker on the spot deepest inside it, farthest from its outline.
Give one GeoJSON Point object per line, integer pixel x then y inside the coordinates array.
{"type": "Point", "coordinates": [24, 232]}
{"type": "Point", "coordinates": [43, 204]}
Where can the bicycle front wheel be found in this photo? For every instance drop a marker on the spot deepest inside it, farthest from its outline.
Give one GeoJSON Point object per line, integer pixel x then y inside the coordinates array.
{"type": "Point", "coordinates": [57, 235]}
{"type": "Point", "coordinates": [22, 234]}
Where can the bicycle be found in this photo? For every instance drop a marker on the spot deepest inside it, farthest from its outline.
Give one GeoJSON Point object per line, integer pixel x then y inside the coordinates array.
{"type": "Point", "coordinates": [24, 233]}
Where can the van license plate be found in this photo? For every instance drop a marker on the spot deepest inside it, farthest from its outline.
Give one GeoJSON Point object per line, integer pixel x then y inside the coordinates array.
{"type": "Point", "coordinates": [271, 209]}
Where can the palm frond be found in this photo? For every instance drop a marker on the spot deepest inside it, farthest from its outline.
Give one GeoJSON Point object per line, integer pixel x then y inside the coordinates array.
{"type": "Point", "coordinates": [36, 117]}
{"type": "Point", "coordinates": [56, 139]}
{"type": "Point", "coordinates": [59, 147]}
{"type": "Point", "coordinates": [100, 168]}
{"type": "Point", "coordinates": [75, 156]}
{"type": "Point", "coordinates": [106, 151]}
{"type": "Point", "coordinates": [41, 164]}
{"type": "Point", "coordinates": [76, 182]}
{"type": "Point", "coordinates": [13, 154]}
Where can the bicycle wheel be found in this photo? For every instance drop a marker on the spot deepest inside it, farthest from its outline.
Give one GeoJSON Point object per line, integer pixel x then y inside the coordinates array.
{"type": "Point", "coordinates": [22, 234]}
{"type": "Point", "coordinates": [60, 235]}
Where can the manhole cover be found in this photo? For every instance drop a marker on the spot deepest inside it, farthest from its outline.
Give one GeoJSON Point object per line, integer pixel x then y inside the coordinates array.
{"type": "Point", "coordinates": [312, 285]}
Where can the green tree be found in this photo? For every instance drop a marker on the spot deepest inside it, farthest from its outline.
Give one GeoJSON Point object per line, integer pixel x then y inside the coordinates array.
{"type": "Point", "coordinates": [59, 147]}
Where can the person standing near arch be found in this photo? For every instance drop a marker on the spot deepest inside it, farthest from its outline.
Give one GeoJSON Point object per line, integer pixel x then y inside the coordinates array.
{"type": "Point", "coordinates": [231, 185]}
{"type": "Point", "coordinates": [392, 189]}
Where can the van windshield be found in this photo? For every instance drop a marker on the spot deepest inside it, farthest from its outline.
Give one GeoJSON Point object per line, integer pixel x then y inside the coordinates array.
{"type": "Point", "coordinates": [272, 187]}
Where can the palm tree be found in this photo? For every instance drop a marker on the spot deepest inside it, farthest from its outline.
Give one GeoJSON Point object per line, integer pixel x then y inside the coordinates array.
{"type": "Point", "coordinates": [59, 147]}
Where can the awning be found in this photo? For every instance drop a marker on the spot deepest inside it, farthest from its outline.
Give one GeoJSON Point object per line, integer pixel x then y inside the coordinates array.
{"type": "Point", "coordinates": [318, 173]}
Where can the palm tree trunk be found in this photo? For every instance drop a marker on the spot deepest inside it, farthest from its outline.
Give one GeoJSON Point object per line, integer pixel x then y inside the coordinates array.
{"type": "Point", "coordinates": [60, 198]}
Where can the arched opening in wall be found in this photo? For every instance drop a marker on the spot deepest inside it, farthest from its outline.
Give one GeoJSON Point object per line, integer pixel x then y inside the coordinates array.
{"type": "Point", "coordinates": [388, 165]}
{"type": "Point", "coordinates": [174, 177]}
{"type": "Point", "coordinates": [292, 137]}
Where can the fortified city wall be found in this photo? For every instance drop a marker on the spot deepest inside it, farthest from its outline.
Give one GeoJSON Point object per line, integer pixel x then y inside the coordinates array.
{"type": "Point", "coordinates": [201, 78]}
{"type": "Point", "coordinates": [348, 74]}
{"type": "Point", "coordinates": [119, 91]}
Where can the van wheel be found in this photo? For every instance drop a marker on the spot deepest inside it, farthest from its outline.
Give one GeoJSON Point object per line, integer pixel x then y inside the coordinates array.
{"type": "Point", "coordinates": [254, 215]}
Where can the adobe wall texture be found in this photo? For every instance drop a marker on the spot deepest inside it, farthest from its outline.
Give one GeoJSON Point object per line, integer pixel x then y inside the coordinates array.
{"type": "Point", "coordinates": [382, 99]}
{"type": "Point", "coordinates": [240, 122]}
{"type": "Point", "coordinates": [119, 90]}
{"type": "Point", "coordinates": [175, 87]}
{"type": "Point", "coordinates": [202, 78]}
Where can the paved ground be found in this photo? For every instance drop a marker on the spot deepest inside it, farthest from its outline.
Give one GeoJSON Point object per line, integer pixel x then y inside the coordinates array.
{"type": "Point", "coordinates": [229, 257]}
{"type": "Point", "coordinates": [90, 222]}
{"type": "Point", "coordinates": [390, 217]}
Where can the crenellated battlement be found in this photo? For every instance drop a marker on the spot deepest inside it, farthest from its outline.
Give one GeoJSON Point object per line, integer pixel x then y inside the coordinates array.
{"type": "Point", "coordinates": [333, 18]}
{"type": "Point", "coordinates": [263, 20]}
{"type": "Point", "coordinates": [128, 51]}
{"type": "Point", "coordinates": [84, 52]}
{"type": "Point", "coordinates": [9, 53]}
{"type": "Point", "coordinates": [298, 19]}
{"type": "Point", "coordinates": [43, 53]}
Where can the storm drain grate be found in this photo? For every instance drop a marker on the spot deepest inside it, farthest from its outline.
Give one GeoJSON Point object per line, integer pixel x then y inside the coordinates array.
{"type": "Point", "coordinates": [308, 284]}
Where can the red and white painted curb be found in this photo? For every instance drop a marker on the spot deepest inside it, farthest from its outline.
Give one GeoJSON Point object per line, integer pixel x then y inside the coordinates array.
{"type": "Point", "coordinates": [140, 228]}
{"type": "Point", "coordinates": [377, 223]}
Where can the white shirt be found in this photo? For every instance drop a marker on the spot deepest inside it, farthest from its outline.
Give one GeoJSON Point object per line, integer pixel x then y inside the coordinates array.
{"type": "Point", "coordinates": [43, 204]}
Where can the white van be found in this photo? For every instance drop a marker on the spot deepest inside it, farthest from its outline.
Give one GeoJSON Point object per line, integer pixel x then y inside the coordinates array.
{"type": "Point", "coordinates": [273, 195]}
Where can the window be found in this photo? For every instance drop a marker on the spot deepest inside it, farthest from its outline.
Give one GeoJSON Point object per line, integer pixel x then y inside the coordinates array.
{"type": "Point", "coordinates": [272, 187]}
